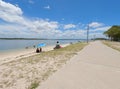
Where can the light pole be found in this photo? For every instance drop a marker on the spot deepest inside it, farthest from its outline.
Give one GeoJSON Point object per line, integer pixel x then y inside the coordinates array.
{"type": "Point", "coordinates": [88, 33]}
{"type": "Point", "coordinates": [94, 37]}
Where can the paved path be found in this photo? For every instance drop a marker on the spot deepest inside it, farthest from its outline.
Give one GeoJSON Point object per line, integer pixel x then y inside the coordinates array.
{"type": "Point", "coordinates": [95, 67]}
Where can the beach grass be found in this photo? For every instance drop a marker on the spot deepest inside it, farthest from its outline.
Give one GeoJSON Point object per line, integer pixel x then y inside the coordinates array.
{"type": "Point", "coordinates": [112, 44]}
{"type": "Point", "coordinates": [34, 85]}
{"type": "Point", "coordinates": [26, 71]}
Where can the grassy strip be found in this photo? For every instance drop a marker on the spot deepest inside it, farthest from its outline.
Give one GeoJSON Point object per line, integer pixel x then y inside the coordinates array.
{"type": "Point", "coordinates": [114, 45]}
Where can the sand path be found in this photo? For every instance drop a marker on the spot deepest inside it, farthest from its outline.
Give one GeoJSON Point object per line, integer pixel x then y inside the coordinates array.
{"type": "Point", "coordinates": [95, 67]}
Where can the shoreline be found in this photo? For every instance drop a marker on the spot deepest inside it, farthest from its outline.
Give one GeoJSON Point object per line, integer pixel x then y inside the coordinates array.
{"type": "Point", "coordinates": [10, 55]}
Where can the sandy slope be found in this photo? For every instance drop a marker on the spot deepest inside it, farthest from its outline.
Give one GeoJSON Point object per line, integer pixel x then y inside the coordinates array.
{"type": "Point", "coordinates": [95, 67]}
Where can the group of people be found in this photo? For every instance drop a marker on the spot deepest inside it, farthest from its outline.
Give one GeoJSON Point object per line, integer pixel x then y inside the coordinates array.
{"type": "Point", "coordinates": [38, 50]}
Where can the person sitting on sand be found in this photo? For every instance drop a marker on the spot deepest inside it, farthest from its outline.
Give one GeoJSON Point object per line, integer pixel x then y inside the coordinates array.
{"type": "Point", "coordinates": [57, 45]}
{"type": "Point", "coordinates": [37, 50]}
{"type": "Point", "coordinates": [40, 49]}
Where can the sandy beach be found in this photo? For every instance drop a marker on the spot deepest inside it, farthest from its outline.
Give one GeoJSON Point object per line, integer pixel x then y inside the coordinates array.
{"type": "Point", "coordinates": [30, 69]}
{"type": "Point", "coordinates": [22, 68]}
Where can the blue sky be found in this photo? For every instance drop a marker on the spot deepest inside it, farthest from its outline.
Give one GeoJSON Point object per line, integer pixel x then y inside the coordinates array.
{"type": "Point", "coordinates": [57, 18]}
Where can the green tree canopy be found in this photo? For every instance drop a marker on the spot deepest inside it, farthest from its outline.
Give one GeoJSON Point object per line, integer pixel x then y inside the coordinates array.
{"type": "Point", "coordinates": [113, 33]}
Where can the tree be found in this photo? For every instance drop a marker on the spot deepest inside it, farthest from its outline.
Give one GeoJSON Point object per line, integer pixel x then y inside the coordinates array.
{"type": "Point", "coordinates": [113, 33]}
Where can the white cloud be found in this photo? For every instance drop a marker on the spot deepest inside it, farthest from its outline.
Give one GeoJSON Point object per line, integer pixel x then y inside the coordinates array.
{"type": "Point", "coordinates": [10, 13]}
{"type": "Point", "coordinates": [100, 29]}
{"type": "Point", "coordinates": [19, 26]}
{"type": "Point", "coordinates": [31, 1]}
{"type": "Point", "coordinates": [63, 19]}
{"type": "Point", "coordinates": [95, 24]}
{"type": "Point", "coordinates": [47, 7]}
{"type": "Point", "coordinates": [98, 32]}
{"type": "Point", "coordinates": [69, 26]}
{"type": "Point", "coordinates": [74, 34]}
{"type": "Point", "coordinates": [13, 14]}
{"type": "Point", "coordinates": [8, 30]}
{"type": "Point", "coordinates": [97, 35]}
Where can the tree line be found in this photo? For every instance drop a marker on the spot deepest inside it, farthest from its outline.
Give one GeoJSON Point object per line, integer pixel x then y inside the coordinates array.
{"type": "Point", "coordinates": [113, 33]}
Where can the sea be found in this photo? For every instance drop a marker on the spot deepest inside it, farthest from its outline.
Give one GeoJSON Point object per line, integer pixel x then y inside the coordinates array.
{"type": "Point", "coordinates": [7, 45]}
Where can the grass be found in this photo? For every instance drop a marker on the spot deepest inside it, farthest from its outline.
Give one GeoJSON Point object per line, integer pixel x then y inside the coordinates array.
{"type": "Point", "coordinates": [34, 85]}
{"type": "Point", "coordinates": [112, 44]}
{"type": "Point", "coordinates": [66, 51]}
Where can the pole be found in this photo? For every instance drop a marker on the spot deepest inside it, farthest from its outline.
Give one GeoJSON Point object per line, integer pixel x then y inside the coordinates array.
{"type": "Point", "coordinates": [88, 33]}
{"type": "Point", "coordinates": [94, 37]}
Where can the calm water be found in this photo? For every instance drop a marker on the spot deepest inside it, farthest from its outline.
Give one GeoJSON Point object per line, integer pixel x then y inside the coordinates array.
{"type": "Point", "coordinates": [21, 44]}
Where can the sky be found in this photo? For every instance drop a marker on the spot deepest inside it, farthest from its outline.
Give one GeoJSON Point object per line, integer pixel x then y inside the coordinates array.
{"type": "Point", "coordinates": [57, 19]}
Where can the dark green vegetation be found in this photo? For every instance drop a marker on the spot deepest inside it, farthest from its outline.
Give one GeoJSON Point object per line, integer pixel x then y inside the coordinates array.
{"type": "Point", "coordinates": [113, 33]}
{"type": "Point", "coordinates": [99, 39]}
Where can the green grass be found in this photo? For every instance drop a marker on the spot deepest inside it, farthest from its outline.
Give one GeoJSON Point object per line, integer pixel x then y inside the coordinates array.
{"type": "Point", "coordinates": [34, 85]}
{"type": "Point", "coordinates": [67, 51]}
